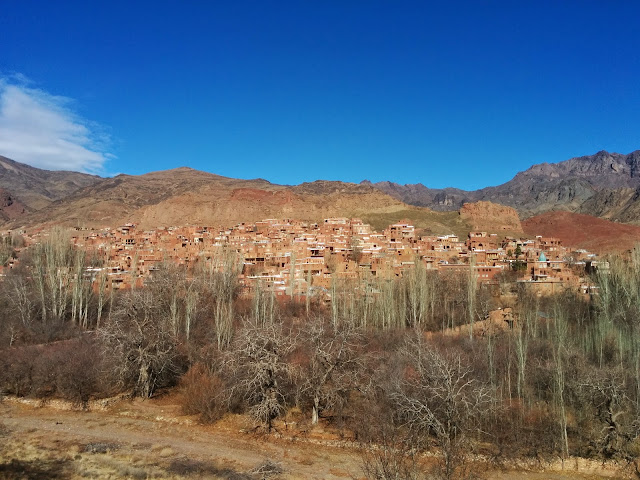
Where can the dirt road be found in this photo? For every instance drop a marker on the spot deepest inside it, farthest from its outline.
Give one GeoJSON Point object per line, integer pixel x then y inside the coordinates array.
{"type": "Point", "coordinates": [151, 439]}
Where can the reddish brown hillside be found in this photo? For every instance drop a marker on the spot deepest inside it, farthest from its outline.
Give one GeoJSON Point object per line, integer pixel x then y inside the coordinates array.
{"type": "Point", "coordinates": [583, 231]}
{"type": "Point", "coordinates": [491, 217]}
{"type": "Point", "coordinates": [187, 197]}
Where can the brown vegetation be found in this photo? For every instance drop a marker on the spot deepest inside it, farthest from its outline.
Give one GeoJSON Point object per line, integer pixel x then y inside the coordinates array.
{"type": "Point", "coordinates": [377, 366]}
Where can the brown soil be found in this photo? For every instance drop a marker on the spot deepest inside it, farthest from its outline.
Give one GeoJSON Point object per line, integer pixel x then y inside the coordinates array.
{"type": "Point", "coordinates": [151, 439]}
{"type": "Point", "coordinates": [256, 195]}
{"type": "Point", "coordinates": [584, 231]}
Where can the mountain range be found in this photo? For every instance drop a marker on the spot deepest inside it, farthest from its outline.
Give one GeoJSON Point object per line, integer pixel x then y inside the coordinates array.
{"type": "Point", "coordinates": [606, 185]}
{"type": "Point", "coordinates": [185, 196]}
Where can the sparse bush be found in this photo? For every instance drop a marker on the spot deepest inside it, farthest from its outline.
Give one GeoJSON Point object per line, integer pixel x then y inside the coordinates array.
{"type": "Point", "coordinates": [518, 433]}
{"type": "Point", "coordinates": [101, 447]}
{"type": "Point", "coordinates": [17, 370]}
{"type": "Point", "coordinates": [267, 469]}
{"type": "Point", "coordinates": [186, 467]}
{"type": "Point", "coordinates": [45, 365]}
{"type": "Point", "coordinates": [66, 369]}
{"type": "Point", "coordinates": [203, 394]}
{"type": "Point", "coordinates": [77, 372]}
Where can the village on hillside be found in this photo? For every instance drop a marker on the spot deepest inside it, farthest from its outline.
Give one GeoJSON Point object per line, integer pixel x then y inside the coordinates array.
{"type": "Point", "coordinates": [298, 259]}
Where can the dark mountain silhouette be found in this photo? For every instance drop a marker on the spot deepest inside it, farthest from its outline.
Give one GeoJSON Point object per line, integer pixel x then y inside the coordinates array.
{"type": "Point", "coordinates": [605, 179]}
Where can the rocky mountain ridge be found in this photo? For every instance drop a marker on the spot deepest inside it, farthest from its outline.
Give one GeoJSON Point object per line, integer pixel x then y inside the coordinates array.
{"type": "Point", "coordinates": [601, 183]}
{"type": "Point", "coordinates": [184, 196]}
{"type": "Point", "coordinates": [604, 184]}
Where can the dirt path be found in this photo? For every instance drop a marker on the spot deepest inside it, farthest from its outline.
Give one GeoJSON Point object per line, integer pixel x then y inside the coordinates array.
{"type": "Point", "coordinates": [152, 440]}
{"type": "Point", "coordinates": [160, 443]}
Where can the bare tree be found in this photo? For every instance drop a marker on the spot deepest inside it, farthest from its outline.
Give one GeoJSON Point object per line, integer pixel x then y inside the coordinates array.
{"type": "Point", "coordinates": [334, 361]}
{"type": "Point", "coordinates": [522, 334]}
{"type": "Point", "coordinates": [6, 249]}
{"type": "Point", "coordinates": [101, 281]}
{"type": "Point", "coordinates": [264, 304]}
{"type": "Point", "coordinates": [439, 398]}
{"type": "Point", "coordinates": [391, 458]}
{"type": "Point", "coordinates": [472, 291]}
{"type": "Point", "coordinates": [219, 276]}
{"type": "Point", "coordinates": [612, 417]}
{"type": "Point", "coordinates": [262, 374]}
{"type": "Point", "coordinates": [420, 287]}
{"type": "Point", "coordinates": [52, 261]}
{"type": "Point", "coordinates": [140, 344]}
{"type": "Point", "coordinates": [559, 339]}
{"type": "Point", "coordinates": [389, 450]}
{"type": "Point", "coordinates": [19, 297]}
{"type": "Point", "coordinates": [172, 286]}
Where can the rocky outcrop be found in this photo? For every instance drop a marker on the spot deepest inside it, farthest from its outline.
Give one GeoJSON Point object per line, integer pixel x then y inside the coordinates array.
{"type": "Point", "coordinates": [10, 208]}
{"type": "Point", "coordinates": [439, 199]}
{"type": "Point", "coordinates": [491, 218]}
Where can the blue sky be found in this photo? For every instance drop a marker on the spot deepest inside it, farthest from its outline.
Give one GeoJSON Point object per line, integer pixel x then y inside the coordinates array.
{"type": "Point", "coordinates": [461, 94]}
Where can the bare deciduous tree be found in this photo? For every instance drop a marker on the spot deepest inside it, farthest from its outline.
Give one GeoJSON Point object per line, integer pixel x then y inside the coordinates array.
{"type": "Point", "coordinates": [258, 363]}
{"type": "Point", "coordinates": [605, 399]}
{"type": "Point", "coordinates": [219, 276]}
{"type": "Point", "coordinates": [6, 249]}
{"type": "Point", "coordinates": [333, 363]}
{"type": "Point", "coordinates": [439, 398]}
{"type": "Point", "coordinates": [140, 345]}
{"type": "Point", "coordinates": [52, 260]}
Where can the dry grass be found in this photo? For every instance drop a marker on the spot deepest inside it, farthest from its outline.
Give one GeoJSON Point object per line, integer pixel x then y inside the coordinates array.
{"type": "Point", "coordinates": [37, 456]}
{"type": "Point", "coordinates": [44, 443]}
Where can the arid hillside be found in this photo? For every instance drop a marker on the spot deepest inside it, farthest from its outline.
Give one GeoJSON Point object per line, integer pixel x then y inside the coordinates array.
{"type": "Point", "coordinates": [583, 231]}
{"type": "Point", "coordinates": [36, 188]}
{"type": "Point", "coordinates": [620, 205]}
{"type": "Point", "coordinates": [10, 208]}
{"type": "Point", "coordinates": [34, 198]}
{"type": "Point", "coordinates": [487, 216]}
{"type": "Point", "coordinates": [184, 196]}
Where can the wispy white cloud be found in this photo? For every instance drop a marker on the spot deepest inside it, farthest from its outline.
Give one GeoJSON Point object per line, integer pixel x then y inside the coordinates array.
{"type": "Point", "coordinates": [42, 130]}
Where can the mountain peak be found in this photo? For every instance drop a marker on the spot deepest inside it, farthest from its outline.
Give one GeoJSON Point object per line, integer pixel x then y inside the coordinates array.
{"type": "Point", "coordinates": [167, 195]}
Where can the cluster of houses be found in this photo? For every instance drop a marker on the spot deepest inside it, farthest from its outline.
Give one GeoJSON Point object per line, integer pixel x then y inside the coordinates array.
{"type": "Point", "coordinates": [295, 257]}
